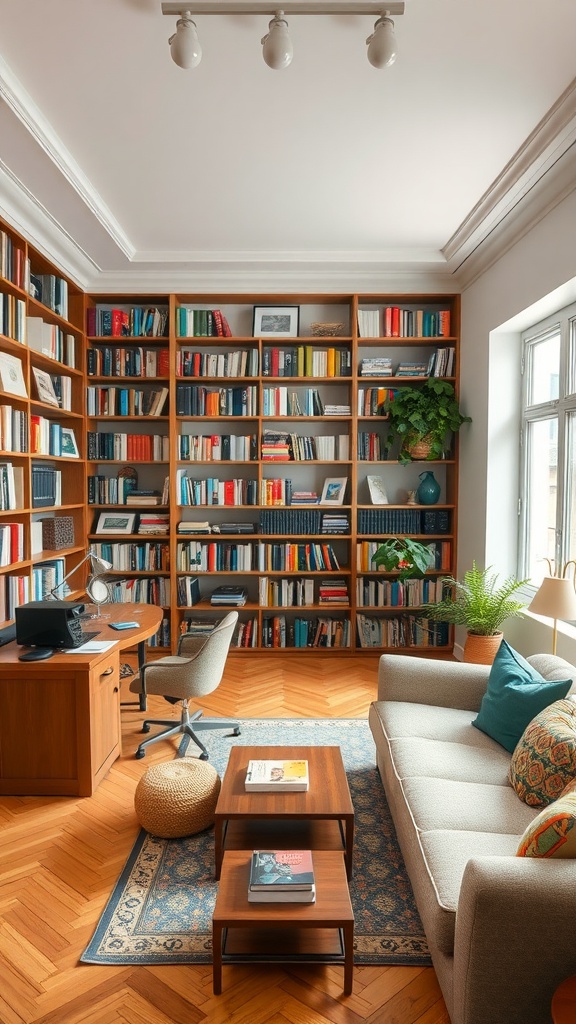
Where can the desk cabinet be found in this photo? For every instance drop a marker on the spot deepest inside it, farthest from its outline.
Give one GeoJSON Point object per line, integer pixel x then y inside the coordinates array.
{"type": "Point", "coordinates": [59, 724]}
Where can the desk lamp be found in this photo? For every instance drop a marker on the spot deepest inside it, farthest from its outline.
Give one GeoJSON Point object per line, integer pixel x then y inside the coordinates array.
{"type": "Point", "coordinates": [96, 587]}
{"type": "Point", "coordinates": [555, 599]}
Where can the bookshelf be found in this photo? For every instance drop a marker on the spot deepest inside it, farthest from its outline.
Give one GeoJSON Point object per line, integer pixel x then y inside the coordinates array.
{"type": "Point", "coordinates": [198, 454]}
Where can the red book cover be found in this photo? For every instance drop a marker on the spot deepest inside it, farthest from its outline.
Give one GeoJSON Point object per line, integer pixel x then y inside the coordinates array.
{"type": "Point", "coordinates": [226, 327]}
{"type": "Point", "coordinates": [228, 492]}
{"type": "Point", "coordinates": [196, 364]}
{"type": "Point", "coordinates": [163, 363]}
{"type": "Point", "coordinates": [212, 557]}
{"type": "Point", "coordinates": [444, 323]}
{"type": "Point", "coordinates": [117, 321]}
{"type": "Point", "coordinates": [91, 320]}
{"type": "Point", "coordinates": [218, 323]}
{"type": "Point", "coordinates": [275, 363]}
{"type": "Point", "coordinates": [395, 321]}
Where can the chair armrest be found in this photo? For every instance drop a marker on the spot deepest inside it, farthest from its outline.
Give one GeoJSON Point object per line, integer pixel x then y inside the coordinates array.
{"type": "Point", "coordinates": [447, 684]}
{"type": "Point", "coordinates": [190, 646]}
{"type": "Point", "coordinates": [513, 942]}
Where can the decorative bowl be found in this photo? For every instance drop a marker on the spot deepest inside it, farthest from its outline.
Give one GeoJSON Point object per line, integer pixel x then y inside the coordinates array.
{"type": "Point", "coordinates": [320, 330]}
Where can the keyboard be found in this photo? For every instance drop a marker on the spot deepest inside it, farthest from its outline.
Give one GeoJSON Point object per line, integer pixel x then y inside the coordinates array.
{"type": "Point", "coordinates": [86, 636]}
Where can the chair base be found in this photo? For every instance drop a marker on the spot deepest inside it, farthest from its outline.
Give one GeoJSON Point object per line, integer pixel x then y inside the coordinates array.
{"type": "Point", "coordinates": [188, 726]}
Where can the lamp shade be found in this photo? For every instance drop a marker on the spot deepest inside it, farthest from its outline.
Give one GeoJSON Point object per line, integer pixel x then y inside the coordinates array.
{"type": "Point", "coordinates": [555, 598]}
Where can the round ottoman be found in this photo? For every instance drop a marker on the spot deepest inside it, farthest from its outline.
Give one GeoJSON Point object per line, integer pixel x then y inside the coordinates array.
{"type": "Point", "coordinates": [177, 798]}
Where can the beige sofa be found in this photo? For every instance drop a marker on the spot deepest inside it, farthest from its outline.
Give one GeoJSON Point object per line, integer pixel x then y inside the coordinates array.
{"type": "Point", "coordinates": [501, 928]}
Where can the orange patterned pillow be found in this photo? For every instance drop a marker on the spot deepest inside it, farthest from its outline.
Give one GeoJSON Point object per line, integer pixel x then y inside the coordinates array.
{"type": "Point", "coordinates": [544, 761]}
{"type": "Point", "coordinates": [553, 831]}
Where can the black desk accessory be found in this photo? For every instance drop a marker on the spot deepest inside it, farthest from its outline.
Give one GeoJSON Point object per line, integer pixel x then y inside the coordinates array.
{"type": "Point", "coordinates": [36, 654]}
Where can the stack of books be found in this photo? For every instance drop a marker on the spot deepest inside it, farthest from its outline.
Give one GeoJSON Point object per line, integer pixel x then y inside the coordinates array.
{"type": "Point", "coordinates": [232, 595]}
{"type": "Point", "coordinates": [281, 876]}
{"type": "Point", "coordinates": [304, 498]}
{"type": "Point", "coordinates": [276, 776]}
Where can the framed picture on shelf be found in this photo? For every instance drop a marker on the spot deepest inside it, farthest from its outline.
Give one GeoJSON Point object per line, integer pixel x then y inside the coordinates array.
{"type": "Point", "coordinates": [377, 490]}
{"type": "Point", "coordinates": [334, 490]}
{"type": "Point", "coordinates": [116, 522]}
{"type": "Point", "coordinates": [44, 387]}
{"type": "Point", "coordinates": [276, 321]}
{"type": "Point", "coordinates": [11, 376]}
{"type": "Point", "coordinates": [68, 444]}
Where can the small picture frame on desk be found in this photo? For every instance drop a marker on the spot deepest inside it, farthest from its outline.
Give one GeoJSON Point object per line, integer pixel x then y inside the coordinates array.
{"type": "Point", "coordinates": [334, 490]}
{"type": "Point", "coordinates": [116, 522]}
{"type": "Point", "coordinates": [276, 321]}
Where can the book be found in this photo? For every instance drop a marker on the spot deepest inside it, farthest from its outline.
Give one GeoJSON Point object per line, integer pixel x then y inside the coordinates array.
{"type": "Point", "coordinates": [277, 776]}
{"type": "Point", "coordinates": [279, 896]}
{"type": "Point", "coordinates": [281, 870]}
{"type": "Point", "coordinates": [377, 490]}
{"type": "Point", "coordinates": [44, 387]}
{"type": "Point", "coordinates": [11, 376]}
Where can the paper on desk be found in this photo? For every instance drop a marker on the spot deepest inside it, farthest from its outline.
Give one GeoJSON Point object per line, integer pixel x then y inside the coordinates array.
{"type": "Point", "coordinates": [92, 647]}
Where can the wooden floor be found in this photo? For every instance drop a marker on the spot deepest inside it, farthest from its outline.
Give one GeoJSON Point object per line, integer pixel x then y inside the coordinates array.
{"type": "Point", "coordinates": [60, 858]}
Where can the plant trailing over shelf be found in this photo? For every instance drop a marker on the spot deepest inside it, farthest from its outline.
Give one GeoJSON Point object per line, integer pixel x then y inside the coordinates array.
{"type": "Point", "coordinates": [408, 557]}
{"type": "Point", "coordinates": [423, 415]}
{"type": "Point", "coordinates": [478, 602]}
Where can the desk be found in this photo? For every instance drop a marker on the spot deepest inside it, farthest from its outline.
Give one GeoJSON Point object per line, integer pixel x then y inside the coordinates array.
{"type": "Point", "coordinates": [60, 718]}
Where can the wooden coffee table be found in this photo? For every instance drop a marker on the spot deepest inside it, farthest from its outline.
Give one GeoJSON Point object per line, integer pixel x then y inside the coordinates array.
{"type": "Point", "coordinates": [320, 932]}
{"type": "Point", "coordinates": [320, 819]}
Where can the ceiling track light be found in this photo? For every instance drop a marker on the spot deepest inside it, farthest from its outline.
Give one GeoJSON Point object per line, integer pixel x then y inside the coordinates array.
{"type": "Point", "coordinates": [277, 48]}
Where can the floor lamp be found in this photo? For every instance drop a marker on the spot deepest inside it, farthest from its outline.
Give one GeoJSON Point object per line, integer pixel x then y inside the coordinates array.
{"type": "Point", "coordinates": [555, 599]}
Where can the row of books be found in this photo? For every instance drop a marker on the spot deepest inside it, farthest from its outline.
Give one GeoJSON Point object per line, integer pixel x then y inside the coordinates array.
{"type": "Point", "coordinates": [14, 266]}
{"type": "Point", "coordinates": [213, 491]}
{"type": "Point", "coordinates": [280, 446]}
{"type": "Point", "coordinates": [162, 637]}
{"type": "Point", "coordinates": [46, 486]}
{"type": "Point", "coordinates": [51, 291]}
{"type": "Point", "coordinates": [200, 401]}
{"type": "Point", "coordinates": [135, 556]}
{"type": "Point", "coordinates": [371, 446]}
{"type": "Point", "coordinates": [307, 521]}
{"type": "Point", "coordinates": [285, 593]}
{"type": "Point", "coordinates": [306, 361]}
{"type": "Point", "coordinates": [14, 434]}
{"type": "Point", "coordinates": [133, 321]}
{"type": "Point", "coordinates": [228, 556]}
{"type": "Point", "coordinates": [372, 401]}
{"type": "Point", "coordinates": [399, 322]}
{"type": "Point", "coordinates": [403, 520]}
{"type": "Point", "coordinates": [300, 633]}
{"type": "Point", "coordinates": [14, 591]}
{"type": "Point", "coordinates": [11, 486]}
{"type": "Point", "coordinates": [50, 438]}
{"type": "Point", "coordinates": [281, 876]}
{"type": "Point", "coordinates": [120, 447]}
{"type": "Point", "coordinates": [11, 543]}
{"type": "Point", "coordinates": [239, 363]}
{"type": "Point", "coordinates": [110, 490]}
{"type": "Point", "coordinates": [129, 361]}
{"type": "Point", "coordinates": [114, 401]}
{"type": "Point", "coordinates": [141, 590]}
{"type": "Point", "coordinates": [13, 317]}
{"type": "Point", "coordinates": [401, 631]}
{"type": "Point", "coordinates": [48, 575]}
{"type": "Point", "coordinates": [51, 340]}
{"type": "Point", "coordinates": [440, 555]}
{"type": "Point", "coordinates": [201, 323]}
{"type": "Point", "coordinates": [385, 593]}
{"type": "Point", "coordinates": [217, 447]}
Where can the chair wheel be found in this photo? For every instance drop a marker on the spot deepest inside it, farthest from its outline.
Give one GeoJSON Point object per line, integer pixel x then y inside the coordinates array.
{"type": "Point", "coordinates": [139, 753]}
{"type": "Point", "coordinates": [203, 757]}
{"type": "Point", "coordinates": [145, 727]}
{"type": "Point", "coordinates": [236, 732]}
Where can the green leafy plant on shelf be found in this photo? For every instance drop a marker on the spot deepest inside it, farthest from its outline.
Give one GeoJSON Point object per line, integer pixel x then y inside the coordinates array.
{"type": "Point", "coordinates": [409, 558]}
{"type": "Point", "coordinates": [478, 601]}
{"type": "Point", "coordinates": [422, 418]}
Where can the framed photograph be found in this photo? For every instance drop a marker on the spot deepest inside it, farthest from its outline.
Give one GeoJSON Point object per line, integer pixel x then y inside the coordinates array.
{"type": "Point", "coordinates": [116, 522]}
{"type": "Point", "coordinates": [377, 490]}
{"type": "Point", "coordinates": [11, 376]}
{"type": "Point", "coordinates": [334, 490]}
{"type": "Point", "coordinates": [276, 321]}
{"type": "Point", "coordinates": [68, 444]}
{"type": "Point", "coordinates": [44, 387]}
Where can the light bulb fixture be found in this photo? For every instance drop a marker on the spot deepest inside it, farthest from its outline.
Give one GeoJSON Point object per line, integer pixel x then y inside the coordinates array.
{"type": "Point", "coordinates": [276, 45]}
{"type": "Point", "coordinates": [185, 46]}
{"type": "Point", "coordinates": [381, 44]}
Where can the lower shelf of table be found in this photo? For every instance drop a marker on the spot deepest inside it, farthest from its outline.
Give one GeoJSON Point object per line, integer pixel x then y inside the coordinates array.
{"type": "Point", "coordinates": [288, 834]}
{"type": "Point", "coordinates": [289, 945]}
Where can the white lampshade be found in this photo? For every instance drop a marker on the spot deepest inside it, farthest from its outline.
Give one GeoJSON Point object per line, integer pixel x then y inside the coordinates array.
{"type": "Point", "coordinates": [184, 44]}
{"type": "Point", "coordinates": [382, 51]}
{"type": "Point", "coordinates": [555, 599]}
{"type": "Point", "coordinates": [277, 47]}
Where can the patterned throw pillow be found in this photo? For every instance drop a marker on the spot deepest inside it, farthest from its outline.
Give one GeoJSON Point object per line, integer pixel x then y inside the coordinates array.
{"type": "Point", "coordinates": [553, 831]}
{"type": "Point", "coordinates": [544, 761]}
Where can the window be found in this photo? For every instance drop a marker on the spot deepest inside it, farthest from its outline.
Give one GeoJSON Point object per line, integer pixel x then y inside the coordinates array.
{"type": "Point", "coordinates": [548, 486]}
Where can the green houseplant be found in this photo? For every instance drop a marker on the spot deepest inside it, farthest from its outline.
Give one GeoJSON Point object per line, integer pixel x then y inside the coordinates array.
{"type": "Point", "coordinates": [409, 558]}
{"type": "Point", "coordinates": [423, 416]}
{"type": "Point", "coordinates": [481, 603]}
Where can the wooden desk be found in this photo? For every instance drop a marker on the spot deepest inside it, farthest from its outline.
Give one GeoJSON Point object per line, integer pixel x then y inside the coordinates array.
{"type": "Point", "coordinates": [60, 718]}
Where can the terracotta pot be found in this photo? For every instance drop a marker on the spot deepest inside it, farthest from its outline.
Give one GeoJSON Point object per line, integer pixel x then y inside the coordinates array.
{"type": "Point", "coordinates": [481, 649]}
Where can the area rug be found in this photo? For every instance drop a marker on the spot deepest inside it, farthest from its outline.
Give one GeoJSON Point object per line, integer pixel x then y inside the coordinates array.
{"type": "Point", "coordinates": [161, 909]}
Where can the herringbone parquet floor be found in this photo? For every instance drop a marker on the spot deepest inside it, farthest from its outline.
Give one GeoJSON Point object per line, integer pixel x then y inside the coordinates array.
{"type": "Point", "coordinates": [60, 858]}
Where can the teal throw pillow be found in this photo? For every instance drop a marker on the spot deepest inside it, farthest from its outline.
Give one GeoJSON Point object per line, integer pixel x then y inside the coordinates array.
{"type": "Point", "coordinates": [515, 694]}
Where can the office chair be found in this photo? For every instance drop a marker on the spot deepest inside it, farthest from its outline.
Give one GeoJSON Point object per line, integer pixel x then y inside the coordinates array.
{"type": "Point", "coordinates": [195, 671]}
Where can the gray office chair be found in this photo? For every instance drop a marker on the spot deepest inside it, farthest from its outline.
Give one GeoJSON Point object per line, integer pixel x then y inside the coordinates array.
{"type": "Point", "coordinates": [195, 671]}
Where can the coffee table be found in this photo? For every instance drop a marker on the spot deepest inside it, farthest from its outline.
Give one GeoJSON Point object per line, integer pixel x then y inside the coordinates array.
{"type": "Point", "coordinates": [320, 819]}
{"type": "Point", "coordinates": [320, 932]}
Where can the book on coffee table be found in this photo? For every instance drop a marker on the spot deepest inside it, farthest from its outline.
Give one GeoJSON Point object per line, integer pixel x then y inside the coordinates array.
{"type": "Point", "coordinates": [277, 776]}
{"type": "Point", "coordinates": [281, 876]}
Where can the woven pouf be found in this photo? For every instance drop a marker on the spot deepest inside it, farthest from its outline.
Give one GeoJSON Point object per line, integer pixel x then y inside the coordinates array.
{"type": "Point", "coordinates": [177, 798]}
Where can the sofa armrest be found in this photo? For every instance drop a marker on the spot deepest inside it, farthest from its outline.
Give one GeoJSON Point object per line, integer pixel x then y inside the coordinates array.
{"type": "Point", "coordinates": [513, 942]}
{"type": "Point", "coordinates": [447, 684]}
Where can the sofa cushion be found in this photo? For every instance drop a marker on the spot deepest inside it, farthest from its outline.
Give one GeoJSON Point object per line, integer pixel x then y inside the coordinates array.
{"type": "Point", "coordinates": [465, 806]}
{"type": "Point", "coordinates": [544, 761]}
{"type": "Point", "coordinates": [442, 759]}
{"type": "Point", "coordinates": [516, 692]}
{"type": "Point", "coordinates": [553, 831]}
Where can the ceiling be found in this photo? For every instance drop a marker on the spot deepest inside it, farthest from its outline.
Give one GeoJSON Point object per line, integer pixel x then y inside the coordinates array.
{"type": "Point", "coordinates": [133, 173]}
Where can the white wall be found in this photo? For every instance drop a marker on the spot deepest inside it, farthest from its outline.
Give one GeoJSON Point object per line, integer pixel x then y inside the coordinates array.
{"type": "Point", "coordinates": [536, 276]}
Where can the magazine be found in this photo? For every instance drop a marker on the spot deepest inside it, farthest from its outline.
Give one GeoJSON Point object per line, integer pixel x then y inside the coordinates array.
{"type": "Point", "coordinates": [270, 776]}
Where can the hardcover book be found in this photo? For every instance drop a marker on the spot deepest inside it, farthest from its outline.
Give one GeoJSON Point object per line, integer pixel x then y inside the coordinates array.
{"type": "Point", "coordinates": [277, 776]}
{"type": "Point", "coordinates": [282, 870]}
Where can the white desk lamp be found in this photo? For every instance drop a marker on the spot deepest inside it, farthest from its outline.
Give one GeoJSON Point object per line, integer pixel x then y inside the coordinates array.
{"type": "Point", "coordinates": [96, 588]}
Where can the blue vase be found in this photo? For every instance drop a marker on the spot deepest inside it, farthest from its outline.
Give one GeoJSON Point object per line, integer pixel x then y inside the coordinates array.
{"type": "Point", "coordinates": [429, 490]}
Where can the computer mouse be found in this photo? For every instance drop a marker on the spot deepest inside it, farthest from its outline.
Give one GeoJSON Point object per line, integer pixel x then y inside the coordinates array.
{"type": "Point", "coordinates": [36, 654]}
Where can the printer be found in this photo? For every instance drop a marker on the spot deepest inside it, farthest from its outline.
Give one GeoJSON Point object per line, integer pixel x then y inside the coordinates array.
{"type": "Point", "coordinates": [49, 624]}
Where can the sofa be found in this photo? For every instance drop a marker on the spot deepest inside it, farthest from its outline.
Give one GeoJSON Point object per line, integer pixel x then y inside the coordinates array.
{"type": "Point", "coordinates": [500, 927]}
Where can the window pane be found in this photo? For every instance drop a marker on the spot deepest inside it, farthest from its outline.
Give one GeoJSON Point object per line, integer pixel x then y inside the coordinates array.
{"type": "Point", "coordinates": [570, 525]}
{"type": "Point", "coordinates": [542, 440]}
{"type": "Point", "coordinates": [544, 370]}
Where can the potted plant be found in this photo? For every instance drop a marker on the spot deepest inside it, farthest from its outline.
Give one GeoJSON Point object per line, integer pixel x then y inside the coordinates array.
{"type": "Point", "coordinates": [408, 557]}
{"type": "Point", "coordinates": [421, 418]}
{"type": "Point", "coordinates": [482, 605]}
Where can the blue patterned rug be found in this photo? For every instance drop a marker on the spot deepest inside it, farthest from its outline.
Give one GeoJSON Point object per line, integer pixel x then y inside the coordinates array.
{"type": "Point", "coordinates": [161, 909]}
